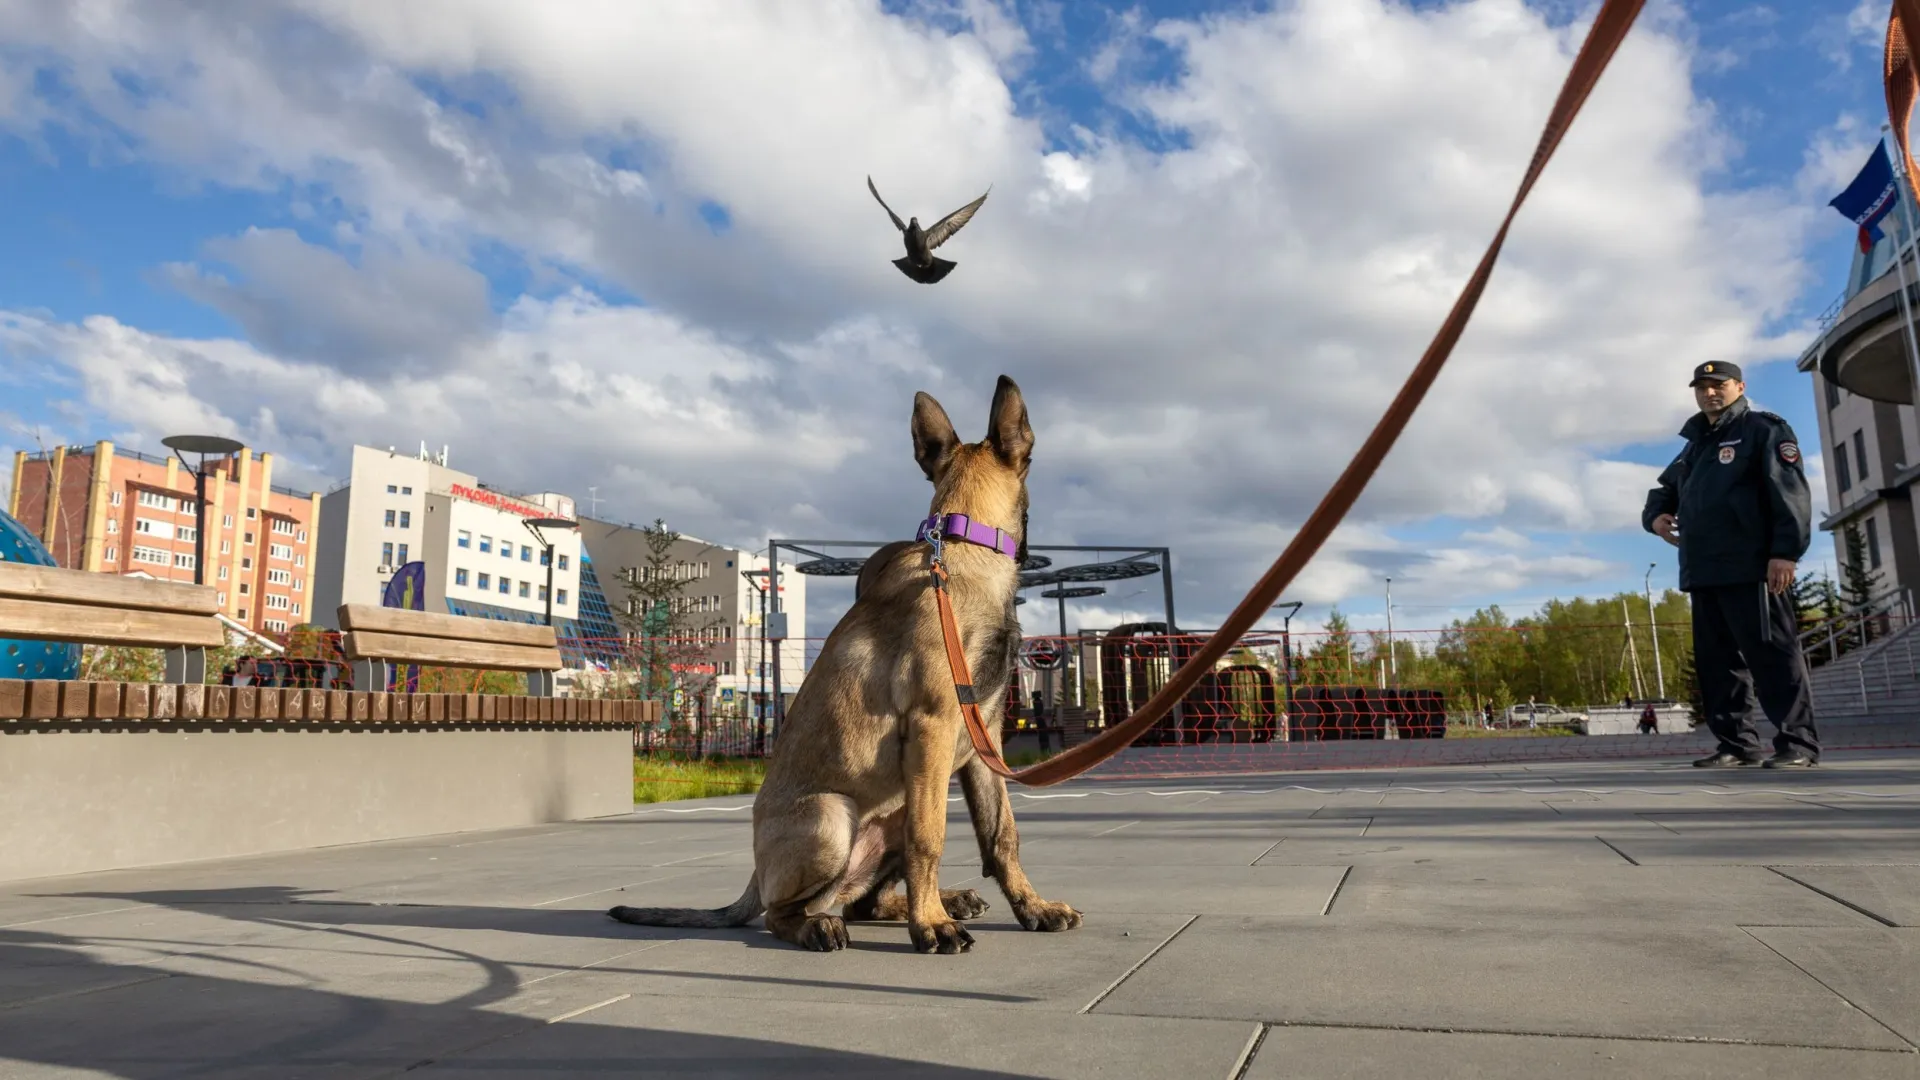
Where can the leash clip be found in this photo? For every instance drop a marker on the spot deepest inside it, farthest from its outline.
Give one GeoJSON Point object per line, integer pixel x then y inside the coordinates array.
{"type": "Point", "coordinates": [939, 547]}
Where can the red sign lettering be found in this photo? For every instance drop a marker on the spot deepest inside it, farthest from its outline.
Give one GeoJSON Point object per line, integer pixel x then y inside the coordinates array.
{"type": "Point", "coordinates": [497, 501]}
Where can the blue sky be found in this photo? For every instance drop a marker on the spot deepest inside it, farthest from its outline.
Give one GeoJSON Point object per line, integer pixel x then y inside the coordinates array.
{"type": "Point", "coordinates": [98, 199]}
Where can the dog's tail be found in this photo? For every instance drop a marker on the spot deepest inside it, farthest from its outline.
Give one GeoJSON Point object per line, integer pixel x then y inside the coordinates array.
{"type": "Point", "coordinates": [739, 913]}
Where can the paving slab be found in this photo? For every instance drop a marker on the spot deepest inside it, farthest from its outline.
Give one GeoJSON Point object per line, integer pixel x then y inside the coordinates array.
{"type": "Point", "coordinates": [1008, 966]}
{"type": "Point", "coordinates": [1571, 848]}
{"type": "Point", "coordinates": [644, 1035]}
{"type": "Point", "coordinates": [1522, 892]}
{"type": "Point", "coordinates": [1100, 891]}
{"type": "Point", "coordinates": [1120, 849]}
{"type": "Point", "coordinates": [1803, 847]}
{"type": "Point", "coordinates": [1613, 979]}
{"type": "Point", "coordinates": [1377, 1054]}
{"type": "Point", "coordinates": [1877, 971]}
{"type": "Point", "coordinates": [1890, 894]}
{"type": "Point", "coordinates": [245, 1027]}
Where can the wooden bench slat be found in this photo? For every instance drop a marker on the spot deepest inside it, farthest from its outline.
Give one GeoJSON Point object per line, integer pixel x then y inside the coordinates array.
{"type": "Point", "coordinates": [90, 624]}
{"type": "Point", "coordinates": [52, 584]}
{"type": "Point", "coordinates": [440, 652]}
{"type": "Point", "coordinates": [426, 624]}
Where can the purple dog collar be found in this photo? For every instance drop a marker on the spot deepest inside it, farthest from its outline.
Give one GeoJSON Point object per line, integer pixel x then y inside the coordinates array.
{"type": "Point", "coordinates": [962, 527]}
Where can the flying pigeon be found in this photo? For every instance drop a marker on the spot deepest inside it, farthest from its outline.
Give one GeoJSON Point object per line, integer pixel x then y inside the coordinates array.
{"type": "Point", "coordinates": [920, 263]}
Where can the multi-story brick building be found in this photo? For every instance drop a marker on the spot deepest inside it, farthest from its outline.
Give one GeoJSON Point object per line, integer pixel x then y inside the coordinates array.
{"type": "Point", "coordinates": [123, 512]}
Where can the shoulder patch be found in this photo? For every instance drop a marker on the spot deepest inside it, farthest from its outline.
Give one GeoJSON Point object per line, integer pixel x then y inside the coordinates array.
{"type": "Point", "coordinates": [1790, 453]}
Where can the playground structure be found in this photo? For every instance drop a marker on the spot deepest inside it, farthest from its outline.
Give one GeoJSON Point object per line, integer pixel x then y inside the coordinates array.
{"type": "Point", "coordinates": [1112, 562]}
{"type": "Point", "coordinates": [1252, 697]}
{"type": "Point", "coordinates": [1071, 686]}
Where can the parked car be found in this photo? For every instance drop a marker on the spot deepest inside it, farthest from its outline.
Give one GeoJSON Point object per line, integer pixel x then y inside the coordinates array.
{"type": "Point", "coordinates": [1539, 714]}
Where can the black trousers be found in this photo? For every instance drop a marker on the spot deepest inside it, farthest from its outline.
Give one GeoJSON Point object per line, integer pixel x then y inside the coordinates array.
{"type": "Point", "coordinates": [1745, 645]}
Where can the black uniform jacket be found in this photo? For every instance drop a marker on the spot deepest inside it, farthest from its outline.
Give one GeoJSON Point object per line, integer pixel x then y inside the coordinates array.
{"type": "Point", "coordinates": [1739, 493]}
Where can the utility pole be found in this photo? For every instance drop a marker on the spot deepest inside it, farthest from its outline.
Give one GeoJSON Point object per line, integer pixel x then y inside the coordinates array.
{"type": "Point", "coordinates": [1633, 652]}
{"type": "Point", "coordinates": [1393, 665]}
{"type": "Point", "coordinates": [1653, 630]}
{"type": "Point", "coordinates": [760, 708]}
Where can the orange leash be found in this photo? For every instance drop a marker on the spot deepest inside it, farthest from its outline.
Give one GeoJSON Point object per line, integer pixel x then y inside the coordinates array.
{"type": "Point", "coordinates": [962, 680]}
{"type": "Point", "coordinates": [1609, 29]}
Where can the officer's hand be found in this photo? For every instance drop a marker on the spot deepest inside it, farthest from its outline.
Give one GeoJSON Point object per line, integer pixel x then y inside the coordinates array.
{"type": "Point", "coordinates": [1779, 575]}
{"type": "Point", "coordinates": [1663, 526]}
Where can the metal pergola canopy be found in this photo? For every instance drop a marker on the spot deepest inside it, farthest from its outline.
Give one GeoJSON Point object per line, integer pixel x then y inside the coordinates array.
{"type": "Point", "coordinates": [1112, 562]}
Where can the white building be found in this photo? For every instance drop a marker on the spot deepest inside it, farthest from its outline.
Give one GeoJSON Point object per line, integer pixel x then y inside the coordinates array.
{"type": "Point", "coordinates": [722, 602]}
{"type": "Point", "coordinates": [480, 558]}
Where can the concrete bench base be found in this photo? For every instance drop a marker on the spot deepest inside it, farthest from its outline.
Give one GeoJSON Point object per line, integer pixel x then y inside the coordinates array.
{"type": "Point", "coordinates": [96, 798]}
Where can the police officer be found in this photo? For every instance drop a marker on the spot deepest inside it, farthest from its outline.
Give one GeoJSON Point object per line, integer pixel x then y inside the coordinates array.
{"type": "Point", "coordinates": [1735, 502]}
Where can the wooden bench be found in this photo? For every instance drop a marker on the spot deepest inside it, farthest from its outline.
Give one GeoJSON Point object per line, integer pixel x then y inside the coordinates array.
{"type": "Point", "coordinates": [375, 638]}
{"type": "Point", "coordinates": [48, 603]}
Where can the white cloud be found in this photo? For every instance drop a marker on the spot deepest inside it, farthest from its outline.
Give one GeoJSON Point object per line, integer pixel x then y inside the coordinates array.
{"type": "Point", "coordinates": [397, 310]}
{"type": "Point", "coordinates": [1867, 22]}
{"type": "Point", "coordinates": [1204, 333]}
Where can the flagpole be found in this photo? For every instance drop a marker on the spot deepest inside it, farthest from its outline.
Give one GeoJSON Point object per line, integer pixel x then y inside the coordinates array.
{"type": "Point", "coordinates": [1900, 195]}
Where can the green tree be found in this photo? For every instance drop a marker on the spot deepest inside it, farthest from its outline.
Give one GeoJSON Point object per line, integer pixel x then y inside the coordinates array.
{"type": "Point", "coordinates": [671, 642]}
{"type": "Point", "coordinates": [1859, 581]}
{"type": "Point", "coordinates": [1330, 660]}
{"type": "Point", "coordinates": [1690, 689]}
{"type": "Point", "coordinates": [120, 663]}
{"type": "Point", "coordinates": [1816, 609]}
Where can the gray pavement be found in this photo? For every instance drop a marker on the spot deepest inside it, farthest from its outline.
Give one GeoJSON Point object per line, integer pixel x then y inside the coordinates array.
{"type": "Point", "coordinates": [1569, 920]}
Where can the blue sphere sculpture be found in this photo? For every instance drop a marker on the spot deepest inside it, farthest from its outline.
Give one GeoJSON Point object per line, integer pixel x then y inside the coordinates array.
{"type": "Point", "coordinates": [32, 659]}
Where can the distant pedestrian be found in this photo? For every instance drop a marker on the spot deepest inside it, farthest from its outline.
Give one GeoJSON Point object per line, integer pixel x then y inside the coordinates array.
{"type": "Point", "coordinates": [1649, 721]}
{"type": "Point", "coordinates": [1735, 502]}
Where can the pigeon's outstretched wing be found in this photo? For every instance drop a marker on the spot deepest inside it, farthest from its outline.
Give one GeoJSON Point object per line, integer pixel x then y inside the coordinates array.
{"type": "Point", "coordinates": [897, 223]}
{"type": "Point", "coordinates": [944, 229]}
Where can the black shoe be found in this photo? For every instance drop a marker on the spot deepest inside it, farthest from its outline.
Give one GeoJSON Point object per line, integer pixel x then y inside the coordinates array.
{"type": "Point", "coordinates": [1722, 760]}
{"type": "Point", "coordinates": [1789, 759]}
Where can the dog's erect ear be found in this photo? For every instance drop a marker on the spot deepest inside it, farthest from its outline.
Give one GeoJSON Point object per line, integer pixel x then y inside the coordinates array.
{"type": "Point", "coordinates": [934, 440]}
{"type": "Point", "coordinates": [1007, 429]}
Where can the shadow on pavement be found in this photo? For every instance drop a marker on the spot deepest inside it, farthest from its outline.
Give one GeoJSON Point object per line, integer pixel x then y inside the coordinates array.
{"type": "Point", "coordinates": [137, 1022]}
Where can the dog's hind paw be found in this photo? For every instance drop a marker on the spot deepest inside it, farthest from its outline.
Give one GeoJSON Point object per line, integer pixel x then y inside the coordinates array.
{"type": "Point", "coordinates": [963, 903]}
{"type": "Point", "coordinates": [1047, 915]}
{"type": "Point", "coordinates": [823, 933]}
{"type": "Point", "coordinates": [946, 938]}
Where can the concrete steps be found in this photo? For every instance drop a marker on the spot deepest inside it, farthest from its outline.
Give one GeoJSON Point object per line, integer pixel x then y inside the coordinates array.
{"type": "Point", "coordinates": [1880, 681]}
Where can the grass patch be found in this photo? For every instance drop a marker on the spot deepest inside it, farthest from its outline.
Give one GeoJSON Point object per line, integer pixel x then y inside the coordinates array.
{"type": "Point", "coordinates": [663, 779]}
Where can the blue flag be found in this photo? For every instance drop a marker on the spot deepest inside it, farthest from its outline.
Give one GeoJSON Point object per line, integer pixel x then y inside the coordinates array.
{"type": "Point", "coordinates": [1870, 197]}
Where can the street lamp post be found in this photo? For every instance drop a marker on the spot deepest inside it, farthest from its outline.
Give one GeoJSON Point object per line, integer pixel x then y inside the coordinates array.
{"type": "Point", "coordinates": [1653, 630]}
{"type": "Point", "coordinates": [1393, 664]}
{"type": "Point", "coordinates": [1286, 646]}
{"type": "Point", "coordinates": [204, 446]}
{"type": "Point", "coordinates": [534, 525]}
{"type": "Point", "coordinates": [189, 665]}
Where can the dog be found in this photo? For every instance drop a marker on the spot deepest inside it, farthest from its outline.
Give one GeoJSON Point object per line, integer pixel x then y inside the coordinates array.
{"type": "Point", "coordinates": [855, 798]}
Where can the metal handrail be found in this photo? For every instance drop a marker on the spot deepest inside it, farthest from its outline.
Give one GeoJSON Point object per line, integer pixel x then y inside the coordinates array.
{"type": "Point", "coordinates": [1832, 314]}
{"type": "Point", "coordinates": [1833, 628]}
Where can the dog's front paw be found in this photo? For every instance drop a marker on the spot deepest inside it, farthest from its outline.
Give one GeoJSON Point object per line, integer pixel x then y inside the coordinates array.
{"type": "Point", "coordinates": [963, 903]}
{"type": "Point", "coordinates": [1046, 915]}
{"type": "Point", "coordinates": [823, 933]}
{"type": "Point", "coordinates": [947, 937]}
